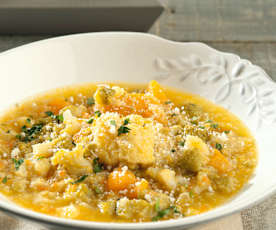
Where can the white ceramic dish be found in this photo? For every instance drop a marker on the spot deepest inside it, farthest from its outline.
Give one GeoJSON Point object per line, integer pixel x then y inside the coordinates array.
{"type": "Point", "coordinates": [224, 78]}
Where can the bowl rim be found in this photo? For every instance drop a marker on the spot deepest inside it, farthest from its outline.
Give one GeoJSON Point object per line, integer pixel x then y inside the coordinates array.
{"type": "Point", "coordinates": [18, 211]}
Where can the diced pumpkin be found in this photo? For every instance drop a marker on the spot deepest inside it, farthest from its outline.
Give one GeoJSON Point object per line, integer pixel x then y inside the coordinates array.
{"type": "Point", "coordinates": [120, 179]}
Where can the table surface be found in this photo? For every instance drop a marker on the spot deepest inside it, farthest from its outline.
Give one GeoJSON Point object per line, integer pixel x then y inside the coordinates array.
{"type": "Point", "coordinates": [247, 28]}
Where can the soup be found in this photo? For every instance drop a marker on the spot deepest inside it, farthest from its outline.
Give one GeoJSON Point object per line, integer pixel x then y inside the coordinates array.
{"type": "Point", "coordinates": [122, 153]}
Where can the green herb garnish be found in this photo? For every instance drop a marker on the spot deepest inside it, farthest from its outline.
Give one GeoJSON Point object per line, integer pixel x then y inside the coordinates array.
{"type": "Point", "coordinates": [191, 194]}
{"type": "Point", "coordinates": [157, 206]}
{"type": "Point", "coordinates": [112, 122]}
{"type": "Point", "coordinates": [218, 146]}
{"type": "Point", "coordinates": [81, 179]}
{"type": "Point", "coordinates": [41, 157]}
{"type": "Point", "coordinates": [28, 120]}
{"type": "Point", "coordinates": [214, 126]}
{"type": "Point", "coordinates": [164, 212]}
{"type": "Point", "coordinates": [182, 143]}
{"type": "Point", "coordinates": [98, 113]}
{"type": "Point", "coordinates": [17, 163]}
{"type": "Point", "coordinates": [58, 118]}
{"type": "Point", "coordinates": [97, 166]}
{"type": "Point", "coordinates": [209, 121]}
{"type": "Point", "coordinates": [126, 121]}
{"type": "Point", "coordinates": [167, 102]}
{"type": "Point", "coordinates": [90, 121]}
{"type": "Point", "coordinates": [98, 191]}
{"type": "Point", "coordinates": [30, 133]}
{"type": "Point", "coordinates": [5, 179]}
{"type": "Point", "coordinates": [123, 128]}
{"type": "Point", "coordinates": [49, 113]}
{"type": "Point", "coordinates": [201, 127]}
{"type": "Point", "coordinates": [90, 101]}
{"type": "Point", "coordinates": [226, 131]}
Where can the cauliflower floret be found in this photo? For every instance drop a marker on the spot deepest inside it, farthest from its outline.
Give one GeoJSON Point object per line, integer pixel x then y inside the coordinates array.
{"type": "Point", "coordinates": [194, 155]}
{"type": "Point", "coordinates": [132, 147]}
{"type": "Point", "coordinates": [73, 160]}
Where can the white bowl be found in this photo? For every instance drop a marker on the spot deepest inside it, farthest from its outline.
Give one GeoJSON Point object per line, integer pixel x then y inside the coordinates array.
{"type": "Point", "coordinates": [224, 78]}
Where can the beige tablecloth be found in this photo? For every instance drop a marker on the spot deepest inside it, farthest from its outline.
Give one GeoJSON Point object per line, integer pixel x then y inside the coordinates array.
{"type": "Point", "coordinates": [260, 217]}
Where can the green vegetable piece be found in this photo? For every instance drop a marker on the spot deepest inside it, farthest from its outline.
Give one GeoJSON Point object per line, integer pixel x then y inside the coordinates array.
{"type": "Point", "coordinates": [41, 157]}
{"type": "Point", "coordinates": [98, 191]}
{"type": "Point", "coordinates": [214, 126]}
{"type": "Point", "coordinates": [81, 179]}
{"type": "Point", "coordinates": [5, 179]}
{"type": "Point", "coordinates": [218, 146]}
{"type": "Point", "coordinates": [112, 122]}
{"type": "Point", "coordinates": [17, 163]}
{"type": "Point", "coordinates": [49, 113]}
{"type": "Point", "coordinates": [98, 113]}
{"type": "Point", "coordinates": [90, 121]}
{"type": "Point", "coordinates": [90, 101]}
{"type": "Point", "coordinates": [97, 166]}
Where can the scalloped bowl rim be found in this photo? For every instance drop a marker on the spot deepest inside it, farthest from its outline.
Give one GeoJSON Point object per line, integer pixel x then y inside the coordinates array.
{"type": "Point", "coordinates": [175, 223]}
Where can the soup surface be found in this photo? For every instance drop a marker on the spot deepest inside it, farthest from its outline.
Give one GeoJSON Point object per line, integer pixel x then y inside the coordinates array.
{"type": "Point", "coordinates": [122, 153]}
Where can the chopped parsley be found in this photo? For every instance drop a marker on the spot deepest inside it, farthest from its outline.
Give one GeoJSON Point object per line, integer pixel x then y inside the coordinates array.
{"type": "Point", "coordinates": [58, 118]}
{"type": "Point", "coordinates": [167, 102]}
{"type": "Point", "coordinates": [123, 128]}
{"type": "Point", "coordinates": [112, 122]}
{"type": "Point", "coordinates": [90, 101]}
{"type": "Point", "coordinates": [191, 194]}
{"type": "Point", "coordinates": [126, 121]}
{"type": "Point", "coordinates": [17, 163]}
{"type": "Point", "coordinates": [73, 143]}
{"type": "Point", "coordinates": [98, 190]}
{"type": "Point", "coordinates": [8, 131]}
{"type": "Point", "coordinates": [157, 206]}
{"type": "Point", "coordinates": [81, 179]}
{"type": "Point", "coordinates": [5, 179]}
{"type": "Point", "coordinates": [49, 113]}
{"type": "Point", "coordinates": [28, 120]}
{"type": "Point", "coordinates": [201, 127]}
{"type": "Point", "coordinates": [226, 131]}
{"type": "Point", "coordinates": [214, 126]}
{"type": "Point", "coordinates": [163, 212]}
{"type": "Point", "coordinates": [90, 121]}
{"type": "Point", "coordinates": [41, 157]}
{"type": "Point", "coordinates": [209, 121]}
{"type": "Point", "coordinates": [218, 146]}
{"type": "Point", "coordinates": [98, 113]}
{"type": "Point", "coordinates": [29, 133]}
{"type": "Point", "coordinates": [182, 143]}
{"type": "Point", "coordinates": [97, 166]}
